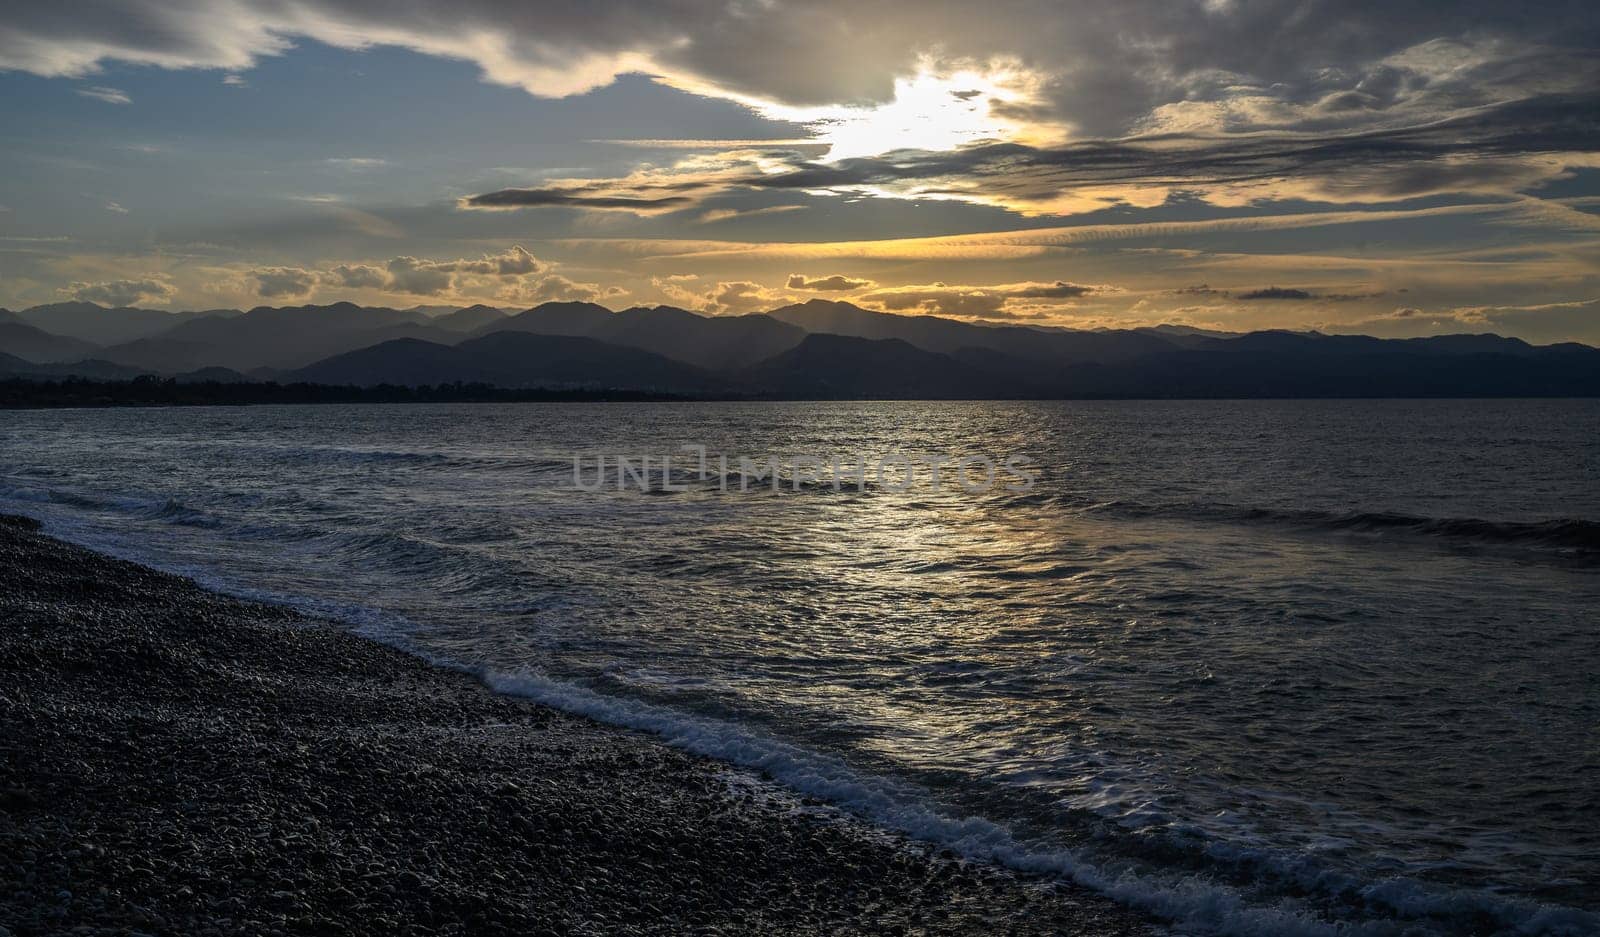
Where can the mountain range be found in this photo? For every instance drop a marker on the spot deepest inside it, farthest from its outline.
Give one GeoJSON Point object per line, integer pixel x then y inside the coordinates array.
{"type": "Point", "coordinates": [818, 349]}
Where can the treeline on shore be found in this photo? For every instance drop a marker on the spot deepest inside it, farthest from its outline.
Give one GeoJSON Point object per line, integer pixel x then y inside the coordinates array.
{"type": "Point", "coordinates": [166, 392]}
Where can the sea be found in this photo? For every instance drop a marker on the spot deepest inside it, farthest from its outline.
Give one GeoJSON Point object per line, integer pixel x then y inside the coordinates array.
{"type": "Point", "coordinates": [1254, 667]}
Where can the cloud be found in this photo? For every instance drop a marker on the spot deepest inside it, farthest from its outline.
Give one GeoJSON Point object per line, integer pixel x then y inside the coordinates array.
{"type": "Point", "coordinates": [834, 283]}
{"type": "Point", "coordinates": [422, 277]}
{"type": "Point", "coordinates": [575, 197]}
{"type": "Point", "coordinates": [514, 262]}
{"type": "Point", "coordinates": [979, 302]}
{"type": "Point", "coordinates": [504, 273]}
{"type": "Point", "coordinates": [1094, 68]}
{"type": "Point", "coordinates": [727, 214]}
{"type": "Point", "coordinates": [1575, 321]}
{"type": "Point", "coordinates": [941, 300]}
{"type": "Point", "coordinates": [432, 277]}
{"type": "Point", "coordinates": [358, 276]}
{"type": "Point", "coordinates": [1062, 106]}
{"type": "Point", "coordinates": [727, 297]}
{"type": "Point", "coordinates": [1201, 290]}
{"type": "Point", "coordinates": [1262, 107]}
{"type": "Point", "coordinates": [357, 162]}
{"type": "Point", "coordinates": [1056, 290]}
{"type": "Point", "coordinates": [557, 288]}
{"type": "Point", "coordinates": [1276, 292]}
{"type": "Point", "coordinates": [738, 298]}
{"type": "Point", "coordinates": [509, 274]}
{"type": "Point", "coordinates": [1498, 150]}
{"type": "Point", "coordinates": [290, 282]}
{"type": "Point", "coordinates": [153, 289]}
{"type": "Point", "coordinates": [677, 287]}
{"type": "Point", "coordinates": [108, 95]}
{"type": "Point", "coordinates": [1031, 242]}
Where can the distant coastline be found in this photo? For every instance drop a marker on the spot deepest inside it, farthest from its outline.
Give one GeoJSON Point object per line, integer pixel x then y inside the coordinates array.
{"type": "Point", "coordinates": [24, 394]}
{"type": "Point", "coordinates": [818, 350]}
{"type": "Point", "coordinates": [76, 393]}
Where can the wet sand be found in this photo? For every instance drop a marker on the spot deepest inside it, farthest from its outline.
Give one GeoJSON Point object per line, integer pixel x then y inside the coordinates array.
{"type": "Point", "coordinates": [181, 762]}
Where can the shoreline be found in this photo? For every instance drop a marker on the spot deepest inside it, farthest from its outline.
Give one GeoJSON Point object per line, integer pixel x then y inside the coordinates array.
{"type": "Point", "coordinates": [23, 394]}
{"type": "Point", "coordinates": [179, 761]}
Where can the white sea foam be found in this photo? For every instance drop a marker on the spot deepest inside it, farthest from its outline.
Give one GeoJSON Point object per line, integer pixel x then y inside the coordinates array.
{"type": "Point", "coordinates": [1193, 903]}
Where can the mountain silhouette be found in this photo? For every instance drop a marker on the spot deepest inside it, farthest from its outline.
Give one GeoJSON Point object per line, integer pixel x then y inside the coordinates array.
{"type": "Point", "coordinates": [469, 319]}
{"type": "Point", "coordinates": [715, 342]}
{"type": "Point", "coordinates": [816, 349]}
{"type": "Point", "coordinates": [510, 359]}
{"type": "Point", "coordinates": [90, 369]}
{"type": "Point", "coordinates": [94, 323]}
{"type": "Point", "coordinates": [556, 318]}
{"type": "Point", "coordinates": [265, 337]}
{"type": "Point", "coordinates": [933, 333]}
{"type": "Point", "coordinates": [21, 340]}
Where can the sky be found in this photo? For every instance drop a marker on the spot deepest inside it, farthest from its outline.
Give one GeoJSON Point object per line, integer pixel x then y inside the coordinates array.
{"type": "Point", "coordinates": [1384, 168]}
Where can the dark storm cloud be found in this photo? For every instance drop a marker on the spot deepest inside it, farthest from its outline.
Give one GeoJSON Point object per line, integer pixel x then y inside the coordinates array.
{"type": "Point", "coordinates": [1101, 67]}
{"type": "Point", "coordinates": [574, 198]}
{"type": "Point", "coordinates": [979, 302]}
{"type": "Point", "coordinates": [1407, 160]}
{"type": "Point", "coordinates": [1494, 150]}
{"type": "Point", "coordinates": [1353, 100]}
{"type": "Point", "coordinates": [1276, 292]}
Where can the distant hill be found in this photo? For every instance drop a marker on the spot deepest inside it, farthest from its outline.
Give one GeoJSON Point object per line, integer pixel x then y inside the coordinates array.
{"type": "Point", "coordinates": [93, 369]}
{"type": "Point", "coordinates": [163, 355]}
{"type": "Point", "coordinates": [1317, 343]}
{"type": "Point", "coordinates": [264, 337]}
{"type": "Point", "coordinates": [1182, 336]}
{"type": "Point", "coordinates": [933, 333]}
{"type": "Point", "coordinates": [1286, 365]}
{"type": "Point", "coordinates": [34, 344]}
{"type": "Point", "coordinates": [816, 349]}
{"type": "Point", "coordinates": [427, 332]}
{"type": "Point", "coordinates": [715, 342]}
{"type": "Point", "coordinates": [94, 323]}
{"type": "Point", "coordinates": [843, 367]}
{"type": "Point", "coordinates": [469, 319]}
{"type": "Point", "coordinates": [563, 318]}
{"type": "Point", "coordinates": [513, 360]}
{"type": "Point", "coordinates": [212, 375]}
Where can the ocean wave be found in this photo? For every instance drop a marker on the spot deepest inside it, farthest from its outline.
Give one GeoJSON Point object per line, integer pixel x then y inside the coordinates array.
{"type": "Point", "coordinates": [174, 511]}
{"type": "Point", "coordinates": [1248, 892]}
{"type": "Point", "coordinates": [1574, 534]}
{"type": "Point", "coordinates": [1196, 904]}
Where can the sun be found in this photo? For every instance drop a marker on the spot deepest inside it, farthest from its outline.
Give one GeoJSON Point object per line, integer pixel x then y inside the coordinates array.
{"type": "Point", "coordinates": [931, 110]}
